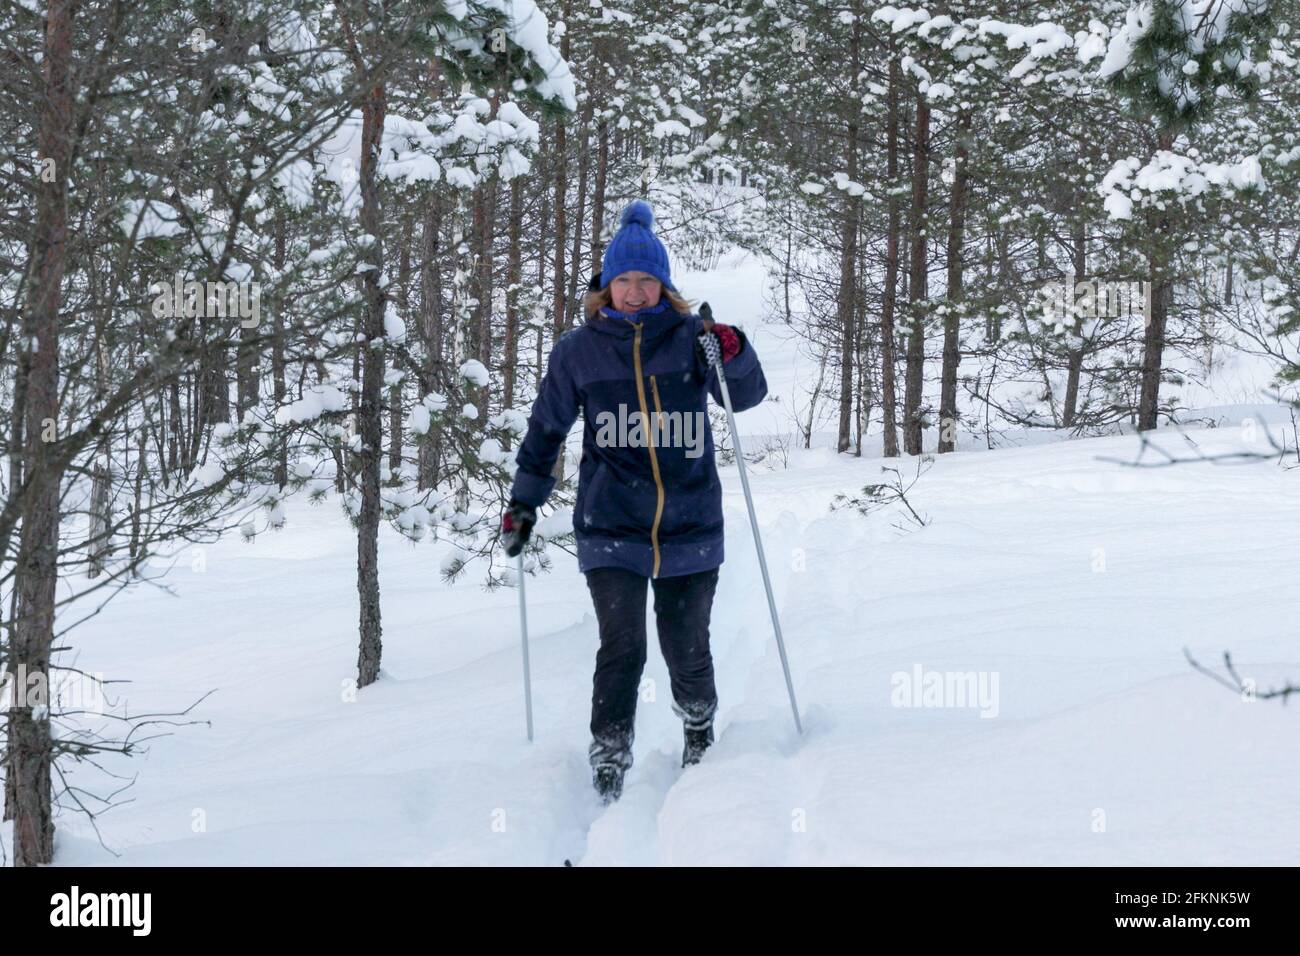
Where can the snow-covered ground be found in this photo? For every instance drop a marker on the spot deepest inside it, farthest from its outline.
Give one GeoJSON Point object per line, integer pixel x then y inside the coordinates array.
{"type": "Point", "coordinates": [1067, 584]}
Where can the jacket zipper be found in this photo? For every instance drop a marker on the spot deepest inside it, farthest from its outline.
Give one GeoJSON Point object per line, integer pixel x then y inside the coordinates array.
{"type": "Point", "coordinates": [650, 444]}
{"type": "Point", "coordinates": [659, 409]}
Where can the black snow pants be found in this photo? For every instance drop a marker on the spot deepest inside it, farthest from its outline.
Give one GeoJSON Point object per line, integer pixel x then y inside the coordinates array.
{"type": "Point", "coordinates": [682, 608]}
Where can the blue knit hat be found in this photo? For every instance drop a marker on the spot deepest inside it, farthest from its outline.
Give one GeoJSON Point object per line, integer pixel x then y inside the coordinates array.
{"type": "Point", "coordinates": [635, 248]}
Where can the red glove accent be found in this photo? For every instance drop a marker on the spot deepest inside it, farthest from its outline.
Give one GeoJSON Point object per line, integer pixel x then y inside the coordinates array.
{"type": "Point", "coordinates": [729, 340]}
{"type": "Point", "coordinates": [517, 526]}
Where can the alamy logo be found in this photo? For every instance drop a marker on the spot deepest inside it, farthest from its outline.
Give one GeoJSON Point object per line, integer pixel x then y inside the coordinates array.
{"type": "Point", "coordinates": [921, 688]}
{"type": "Point", "coordinates": [220, 300]}
{"type": "Point", "coordinates": [102, 909]}
{"type": "Point", "coordinates": [1095, 299]}
{"type": "Point", "coordinates": [71, 690]}
{"type": "Point", "coordinates": [668, 429]}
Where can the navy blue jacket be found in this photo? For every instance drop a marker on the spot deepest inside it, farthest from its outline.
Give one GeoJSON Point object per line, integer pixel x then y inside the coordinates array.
{"type": "Point", "coordinates": [653, 510]}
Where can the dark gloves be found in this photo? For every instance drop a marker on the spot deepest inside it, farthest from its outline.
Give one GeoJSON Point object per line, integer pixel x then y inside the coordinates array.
{"type": "Point", "coordinates": [516, 526]}
{"type": "Point", "coordinates": [728, 340]}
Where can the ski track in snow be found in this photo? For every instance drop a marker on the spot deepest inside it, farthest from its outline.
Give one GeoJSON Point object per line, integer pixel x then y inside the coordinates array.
{"type": "Point", "coordinates": [1076, 581]}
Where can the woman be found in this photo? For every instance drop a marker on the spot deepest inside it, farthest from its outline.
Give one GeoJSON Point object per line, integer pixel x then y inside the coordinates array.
{"type": "Point", "coordinates": [649, 504]}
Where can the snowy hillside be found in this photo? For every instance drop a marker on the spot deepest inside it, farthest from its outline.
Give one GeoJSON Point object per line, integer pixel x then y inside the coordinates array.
{"type": "Point", "coordinates": [1065, 583]}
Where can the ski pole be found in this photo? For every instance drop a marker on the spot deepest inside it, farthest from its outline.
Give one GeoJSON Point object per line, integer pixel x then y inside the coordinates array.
{"type": "Point", "coordinates": [523, 631]}
{"type": "Point", "coordinates": [714, 353]}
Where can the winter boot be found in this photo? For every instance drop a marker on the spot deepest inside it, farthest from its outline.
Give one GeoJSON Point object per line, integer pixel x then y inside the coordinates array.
{"type": "Point", "coordinates": [697, 741]}
{"type": "Point", "coordinates": [608, 781]}
{"type": "Point", "coordinates": [610, 755]}
{"type": "Point", "coordinates": [697, 722]}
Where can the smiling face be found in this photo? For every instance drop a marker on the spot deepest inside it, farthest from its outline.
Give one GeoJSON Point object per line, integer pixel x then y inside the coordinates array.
{"type": "Point", "coordinates": [634, 290]}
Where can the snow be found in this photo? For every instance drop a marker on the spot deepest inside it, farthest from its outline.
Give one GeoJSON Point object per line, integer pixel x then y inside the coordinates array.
{"type": "Point", "coordinates": [1043, 40]}
{"type": "Point", "coordinates": [513, 419]}
{"type": "Point", "coordinates": [528, 30]}
{"type": "Point", "coordinates": [1207, 20]}
{"type": "Point", "coordinates": [1053, 573]}
{"type": "Point", "coordinates": [670, 128]}
{"type": "Point", "coordinates": [1202, 25]}
{"type": "Point", "coordinates": [1090, 45]}
{"type": "Point", "coordinates": [934, 23]}
{"type": "Point", "coordinates": [692, 117]}
{"type": "Point", "coordinates": [394, 327]}
{"type": "Point", "coordinates": [843, 182]}
{"type": "Point", "coordinates": [513, 163]}
{"type": "Point", "coordinates": [1181, 177]}
{"type": "Point", "coordinates": [316, 400]}
{"type": "Point", "coordinates": [411, 148]}
{"type": "Point", "coordinates": [491, 453]}
{"type": "Point", "coordinates": [474, 371]}
{"type": "Point", "coordinates": [900, 19]}
{"type": "Point", "coordinates": [207, 474]}
{"type": "Point", "coordinates": [1097, 708]}
{"type": "Point", "coordinates": [419, 420]}
{"type": "Point", "coordinates": [151, 218]}
{"type": "Point", "coordinates": [1119, 52]}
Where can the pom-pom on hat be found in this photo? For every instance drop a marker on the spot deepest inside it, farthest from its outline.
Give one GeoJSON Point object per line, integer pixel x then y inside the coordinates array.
{"type": "Point", "coordinates": [635, 248]}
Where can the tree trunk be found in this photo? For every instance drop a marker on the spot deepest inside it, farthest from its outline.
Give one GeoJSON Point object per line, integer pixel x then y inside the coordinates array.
{"type": "Point", "coordinates": [542, 247]}
{"type": "Point", "coordinates": [1074, 357]}
{"type": "Point", "coordinates": [1154, 339]}
{"type": "Point", "coordinates": [956, 282]}
{"type": "Point", "coordinates": [575, 256]}
{"type": "Point", "coordinates": [862, 402]}
{"type": "Point", "coordinates": [486, 236]}
{"type": "Point", "coordinates": [370, 425]}
{"type": "Point", "coordinates": [431, 332]}
{"type": "Point", "coordinates": [135, 548]}
{"type": "Point", "coordinates": [888, 396]}
{"type": "Point", "coordinates": [848, 290]}
{"type": "Point", "coordinates": [395, 408]}
{"type": "Point", "coordinates": [31, 756]}
{"type": "Point", "coordinates": [16, 418]}
{"type": "Point", "coordinates": [561, 231]}
{"type": "Point", "coordinates": [812, 402]}
{"type": "Point", "coordinates": [510, 358]}
{"type": "Point", "coordinates": [277, 356]}
{"type": "Point", "coordinates": [913, 392]}
{"type": "Point", "coordinates": [598, 197]}
{"type": "Point", "coordinates": [175, 438]}
{"type": "Point", "coordinates": [1153, 348]}
{"type": "Point", "coordinates": [99, 539]}
{"type": "Point", "coordinates": [216, 390]}
{"type": "Point", "coordinates": [558, 275]}
{"type": "Point", "coordinates": [249, 370]}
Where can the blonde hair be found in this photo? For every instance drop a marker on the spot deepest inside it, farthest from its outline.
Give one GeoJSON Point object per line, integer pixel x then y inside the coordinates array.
{"type": "Point", "coordinates": [597, 299]}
